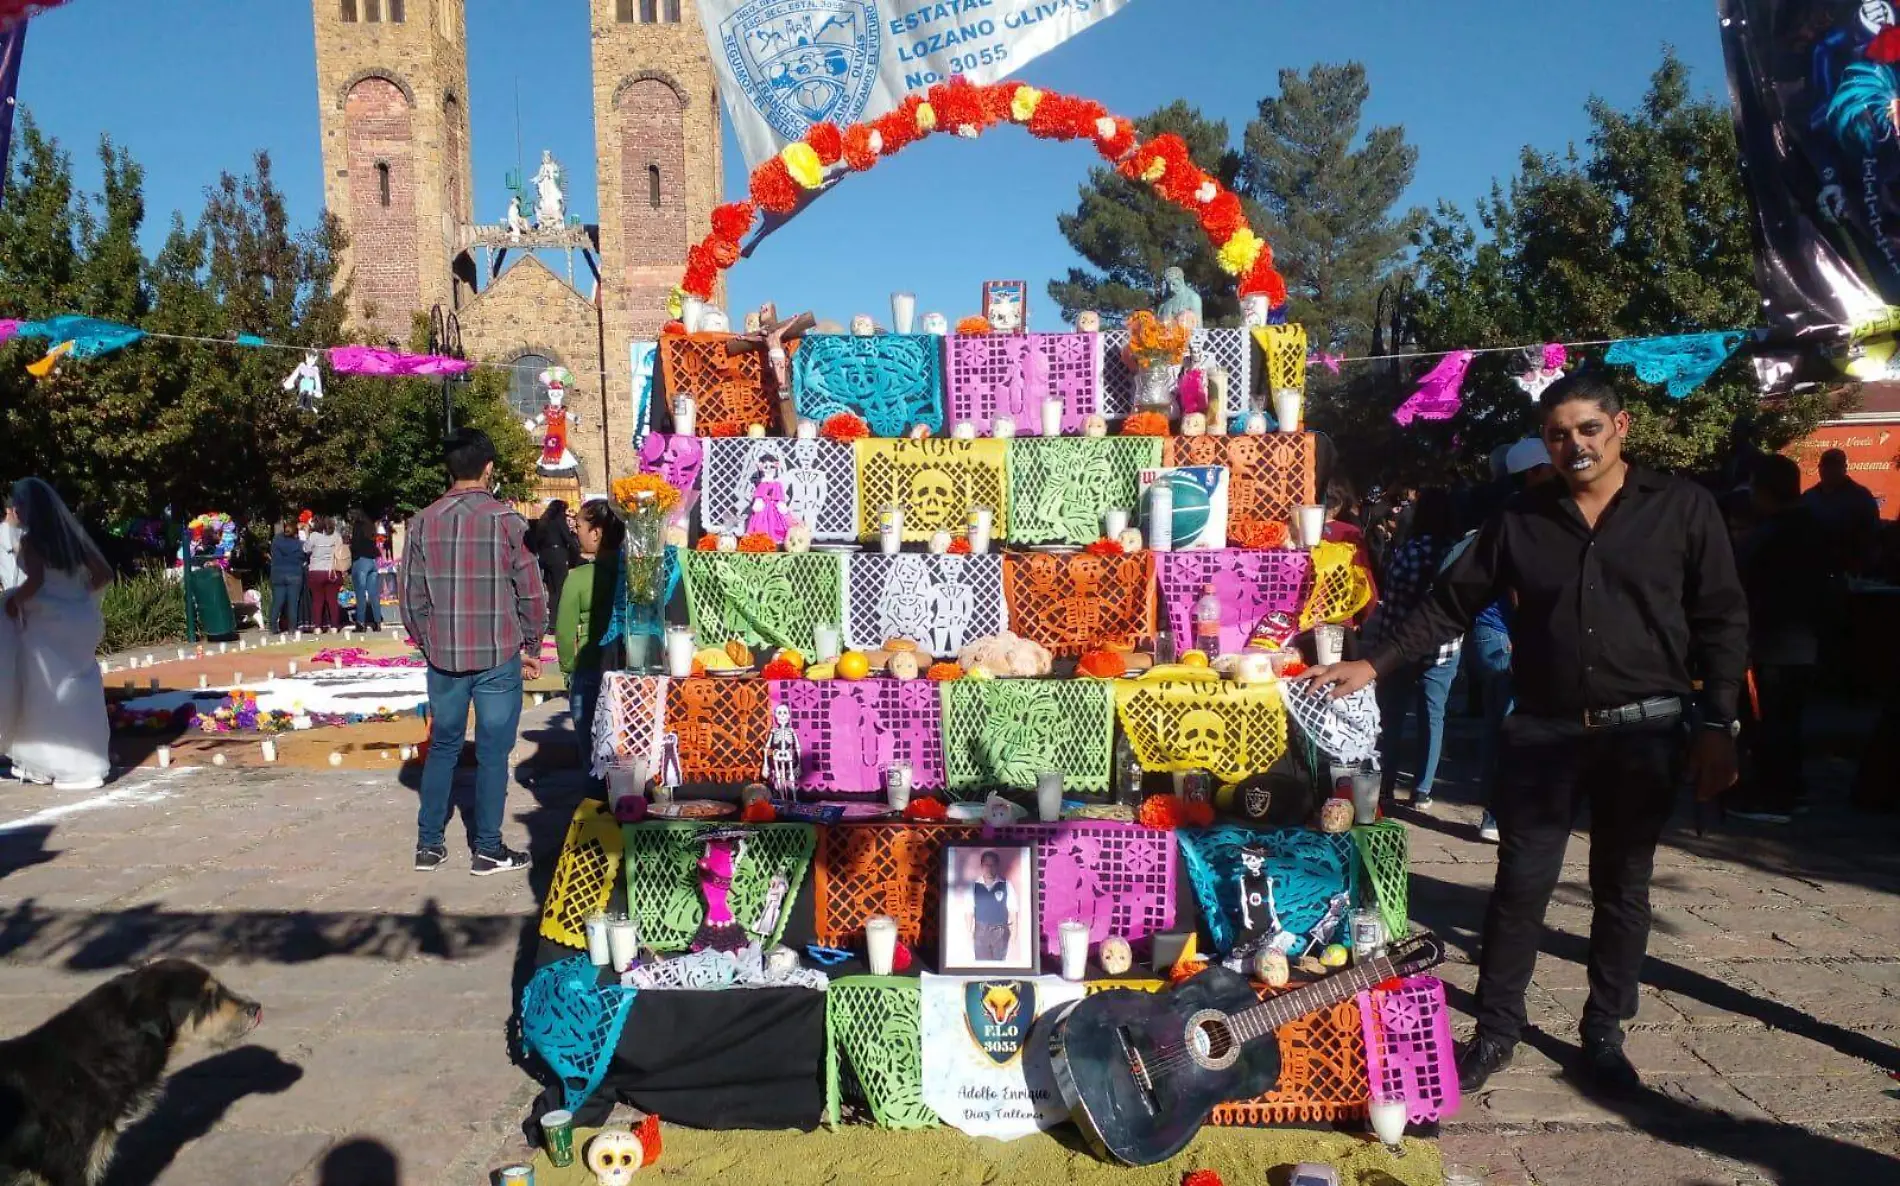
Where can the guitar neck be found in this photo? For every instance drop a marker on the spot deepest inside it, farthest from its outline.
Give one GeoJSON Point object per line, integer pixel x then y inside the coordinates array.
{"type": "Point", "coordinates": [1270, 1015]}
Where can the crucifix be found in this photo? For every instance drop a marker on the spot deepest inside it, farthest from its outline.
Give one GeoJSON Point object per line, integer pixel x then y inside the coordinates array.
{"type": "Point", "coordinates": [773, 337]}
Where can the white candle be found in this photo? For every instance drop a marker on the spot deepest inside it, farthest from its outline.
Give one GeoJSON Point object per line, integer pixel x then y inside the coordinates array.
{"type": "Point", "coordinates": [890, 530]}
{"type": "Point", "coordinates": [897, 785]}
{"type": "Point", "coordinates": [691, 310]}
{"type": "Point", "coordinates": [599, 951]}
{"type": "Point", "coordinates": [1286, 409]}
{"type": "Point", "coordinates": [880, 943]}
{"type": "Point", "coordinates": [903, 311]}
{"type": "Point", "coordinates": [1049, 796]}
{"type": "Point", "coordinates": [623, 942]}
{"type": "Point", "coordinates": [1052, 417]}
{"type": "Point", "coordinates": [1003, 428]}
{"type": "Point", "coordinates": [1312, 526]}
{"type": "Point", "coordinates": [1074, 937]}
{"type": "Point", "coordinates": [963, 430]}
{"type": "Point", "coordinates": [243, 645]}
{"type": "Point", "coordinates": [824, 642]}
{"type": "Point", "coordinates": [270, 750]}
{"type": "Point", "coordinates": [270, 673]}
{"type": "Point", "coordinates": [685, 415]}
{"type": "Point", "coordinates": [1114, 522]}
{"type": "Point", "coordinates": [679, 651]}
{"type": "Point", "coordinates": [164, 757]}
{"type": "Point", "coordinates": [1329, 643]}
{"type": "Point", "coordinates": [982, 524]}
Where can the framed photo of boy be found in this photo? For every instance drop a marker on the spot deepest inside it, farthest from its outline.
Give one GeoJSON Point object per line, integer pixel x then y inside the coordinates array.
{"type": "Point", "coordinates": [991, 920]}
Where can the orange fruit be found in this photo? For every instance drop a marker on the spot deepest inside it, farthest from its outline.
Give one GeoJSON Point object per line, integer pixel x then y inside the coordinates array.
{"type": "Point", "coordinates": [1194, 658]}
{"type": "Point", "coordinates": [853, 665]}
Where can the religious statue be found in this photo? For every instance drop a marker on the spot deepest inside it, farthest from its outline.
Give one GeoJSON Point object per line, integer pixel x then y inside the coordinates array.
{"type": "Point", "coordinates": [550, 204]}
{"type": "Point", "coordinates": [553, 424]}
{"type": "Point", "coordinates": [517, 221]}
{"type": "Point", "coordinates": [780, 768]}
{"type": "Point", "coordinates": [1177, 298]}
{"type": "Point", "coordinates": [772, 338]}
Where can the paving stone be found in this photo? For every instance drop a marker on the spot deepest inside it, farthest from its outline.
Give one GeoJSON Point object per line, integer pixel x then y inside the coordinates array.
{"type": "Point", "coordinates": [1755, 1052]}
{"type": "Point", "coordinates": [1486, 1158]}
{"type": "Point", "coordinates": [253, 1158]}
{"type": "Point", "coordinates": [1803, 1099]}
{"type": "Point", "coordinates": [1539, 1101]}
{"type": "Point", "coordinates": [1597, 1158]}
{"type": "Point", "coordinates": [1710, 1095]}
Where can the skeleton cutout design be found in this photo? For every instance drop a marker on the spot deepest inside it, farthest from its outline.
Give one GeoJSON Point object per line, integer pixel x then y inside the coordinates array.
{"type": "Point", "coordinates": [932, 501]}
{"type": "Point", "coordinates": [952, 608]}
{"type": "Point", "coordinates": [805, 482]}
{"type": "Point", "coordinates": [906, 601]}
{"type": "Point", "coordinates": [1201, 738]}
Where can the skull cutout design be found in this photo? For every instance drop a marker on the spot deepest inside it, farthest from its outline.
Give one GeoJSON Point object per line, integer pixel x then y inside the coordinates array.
{"type": "Point", "coordinates": [615, 1157]}
{"type": "Point", "coordinates": [1202, 739]}
{"type": "Point", "coordinates": [932, 502]}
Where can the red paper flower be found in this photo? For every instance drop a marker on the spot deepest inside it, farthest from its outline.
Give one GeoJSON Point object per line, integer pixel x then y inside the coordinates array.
{"type": "Point", "coordinates": [959, 105]}
{"type": "Point", "coordinates": [725, 253]}
{"type": "Point", "coordinates": [901, 957]}
{"type": "Point", "coordinates": [1145, 424]}
{"type": "Point", "coordinates": [773, 187]}
{"type": "Point", "coordinates": [1265, 281]}
{"type": "Point", "coordinates": [699, 281]}
{"type": "Point", "coordinates": [859, 151]}
{"type": "Point", "coordinates": [733, 220]}
{"type": "Point", "coordinates": [844, 426]}
{"type": "Point", "coordinates": [998, 98]}
{"type": "Point", "coordinates": [1885, 48]}
{"type": "Point", "coordinates": [759, 811]}
{"type": "Point", "coordinates": [1202, 1178]}
{"type": "Point", "coordinates": [780, 669]}
{"type": "Point", "coordinates": [827, 141]}
{"type": "Point", "coordinates": [925, 809]}
{"type": "Point", "coordinates": [673, 327]}
{"type": "Point", "coordinates": [1065, 117]}
{"type": "Point", "coordinates": [1223, 216]}
{"type": "Point", "coordinates": [1106, 547]}
{"type": "Point", "coordinates": [898, 126]}
{"type": "Point", "coordinates": [1160, 811]}
{"type": "Point", "coordinates": [1292, 668]}
{"type": "Point", "coordinates": [960, 546]}
{"type": "Point", "coordinates": [1118, 143]}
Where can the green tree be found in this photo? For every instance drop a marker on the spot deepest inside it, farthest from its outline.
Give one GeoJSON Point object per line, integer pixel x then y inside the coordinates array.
{"type": "Point", "coordinates": [1328, 194]}
{"type": "Point", "coordinates": [1131, 236]}
{"type": "Point", "coordinates": [1646, 233]}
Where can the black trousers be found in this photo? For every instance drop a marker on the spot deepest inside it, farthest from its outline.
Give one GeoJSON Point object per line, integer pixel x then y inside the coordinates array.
{"type": "Point", "coordinates": [1773, 738]}
{"type": "Point", "coordinates": [1547, 772]}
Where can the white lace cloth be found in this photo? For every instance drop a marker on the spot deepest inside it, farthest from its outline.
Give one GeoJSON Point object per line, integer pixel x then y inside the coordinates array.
{"type": "Point", "coordinates": [1346, 730]}
{"type": "Point", "coordinates": [704, 970]}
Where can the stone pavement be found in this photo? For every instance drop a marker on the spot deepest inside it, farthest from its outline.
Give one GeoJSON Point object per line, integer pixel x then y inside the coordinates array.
{"type": "Point", "coordinates": [1771, 1001]}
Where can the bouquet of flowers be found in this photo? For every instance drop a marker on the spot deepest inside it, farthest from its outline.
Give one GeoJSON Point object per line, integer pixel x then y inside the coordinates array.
{"type": "Point", "coordinates": [1153, 342]}
{"type": "Point", "coordinates": [643, 501]}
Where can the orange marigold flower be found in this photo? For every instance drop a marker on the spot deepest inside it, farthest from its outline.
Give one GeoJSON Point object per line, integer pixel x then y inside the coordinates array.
{"type": "Point", "coordinates": [665, 495]}
{"type": "Point", "coordinates": [1102, 664]}
{"type": "Point", "coordinates": [960, 546]}
{"type": "Point", "coordinates": [844, 426]}
{"type": "Point", "coordinates": [1145, 424]}
{"type": "Point", "coordinates": [926, 808]}
{"type": "Point", "coordinates": [722, 428]}
{"type": "Point", "coordinates": [1160, 811]}
{"type": "Point", "coordinates": [1202, 1178]}
{"type": "Point", "coordinates": [944, 672]}
{"type": "Point", "coordinates": [971, 326]}
{"type": "Point", "coordinates": [1106, 547]}
{"type": "Point", "coordinates": [827, 141]}
{"type": "Point", "coordinates": [707, 543]}
{"type": "Point", "coordinates": [756, 542]}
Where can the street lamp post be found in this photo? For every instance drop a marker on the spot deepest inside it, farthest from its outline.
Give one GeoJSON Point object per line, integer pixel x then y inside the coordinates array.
{"type": "Point", "coordinates": [445, 340]}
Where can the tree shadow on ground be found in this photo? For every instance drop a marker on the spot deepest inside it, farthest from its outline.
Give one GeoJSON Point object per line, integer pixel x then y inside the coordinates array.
{"type": "Point", "coordinates": [22, 848]}
{"type": "Point", "coordinates": [192, 1103]}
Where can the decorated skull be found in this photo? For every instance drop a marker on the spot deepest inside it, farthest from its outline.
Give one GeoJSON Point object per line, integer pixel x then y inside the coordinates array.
{"type": "Point", "coordinates": [933, 498]}
{"type": "Point", "coordinates": [1202, 739]}
{"type": "Point", "coordinates": [902, 666]}
{"type": "Point", "coordinates": [1095, 426]}
{"type": "Point", "coordinates": [615, 1157]}
{"type": "Point", "coordinates": [863, 326]}
{"type": "Point", "coordinates": [1088, 321]}
{"type": "Point", "coordinates": [939, 543]}
{"type": "Point", "coordinates": [1003, 428]}
{"type": "Point", "coordinates": [1005, 313]}
{"type": "Point", "coordinates": [1270, 968]}
{"type": "Point", "coordinates": [1335, 816]}
{"type": "Point", "coordinates": [1116, 956]}
{"type": "Point", "coordinates": [798, 538]}
{"type": "Point", "coordinates": [1194, 424]}
{"type": "Point", "coordinates": [1130, 539]}
{"type": "Point", "coordinates": [728, 542]}
{"type": "Point", "coordinates": [936, 323]}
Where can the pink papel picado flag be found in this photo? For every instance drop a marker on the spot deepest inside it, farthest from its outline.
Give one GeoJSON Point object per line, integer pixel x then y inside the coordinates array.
{"type": "Point", "coordinates": [1437, 397]}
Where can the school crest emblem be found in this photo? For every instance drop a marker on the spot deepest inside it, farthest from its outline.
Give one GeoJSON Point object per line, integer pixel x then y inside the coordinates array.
{"type": "Point", "coordinates": [803, 61]}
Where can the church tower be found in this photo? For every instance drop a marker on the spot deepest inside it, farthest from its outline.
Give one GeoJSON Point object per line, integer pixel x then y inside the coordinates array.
{"type": "Point", "coordinates": [392, 90]}
{"type": "Point", "coordinates": [657, 133]}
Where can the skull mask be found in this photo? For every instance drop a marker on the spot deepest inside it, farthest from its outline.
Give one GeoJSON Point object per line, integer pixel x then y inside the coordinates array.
{"type": "Point", "coordinates": [933, 499]}
{"type": "Point", "coordinates": [1203, 738]}
{"type": "Point", "coordinates": [614, 1157]}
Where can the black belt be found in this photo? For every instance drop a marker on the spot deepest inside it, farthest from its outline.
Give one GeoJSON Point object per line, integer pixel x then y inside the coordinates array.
{"type": "Point", "coordinates": [1658, 708]}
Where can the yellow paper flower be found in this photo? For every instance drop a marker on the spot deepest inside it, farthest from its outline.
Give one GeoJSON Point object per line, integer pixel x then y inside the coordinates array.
{"type": "Point", "coordinates": [1022, 106]}
{"type": "Point", "coordinates": [927, 117]}
{"type": "Point", "coordinates": [676, 302]}
{"type": "Point", "coordinates": [801, 160]}
{"type": "Point", "coordinates": [1153, 173]}
{"type": "Point", "coordinates": [1238, 254]}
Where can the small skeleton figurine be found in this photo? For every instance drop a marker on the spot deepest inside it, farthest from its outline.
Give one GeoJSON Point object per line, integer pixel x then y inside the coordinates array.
{"type": "Point", "coordinates": [767, 922]}
{"type": "Point", "coordinates": [670, 763]}
{"type": "Point", "coordinates": [1259, 915]}
{"type": "Point", "coordinates": [781, 765]}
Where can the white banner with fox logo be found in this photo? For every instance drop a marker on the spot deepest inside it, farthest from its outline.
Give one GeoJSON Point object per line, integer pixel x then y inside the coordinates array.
{"type": "Point", "coordinates": [983, 1073]}
{"type": "Point", "coordinates": [785, 65]}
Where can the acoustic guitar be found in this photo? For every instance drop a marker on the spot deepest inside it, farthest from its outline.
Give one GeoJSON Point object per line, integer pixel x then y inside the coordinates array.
{"type": "Point", "coordinates": [1140, 1072]}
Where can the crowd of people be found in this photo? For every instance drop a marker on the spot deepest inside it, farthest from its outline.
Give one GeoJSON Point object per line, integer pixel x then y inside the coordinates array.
{"type": "Point", "coordinates": [309, 563]}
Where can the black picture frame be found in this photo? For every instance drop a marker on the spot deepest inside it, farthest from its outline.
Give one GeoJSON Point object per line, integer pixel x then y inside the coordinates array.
{"type": "Point", "coordinates": [958, 876]}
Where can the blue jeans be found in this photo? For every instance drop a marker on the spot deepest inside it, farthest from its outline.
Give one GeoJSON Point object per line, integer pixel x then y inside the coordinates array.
{"type": "Point", "coordinates": [496, 694]}
{"type": "Point", "coordinates": [1490, 653]}
{"type": "Point", "coordinates": [1427, 689]}
{"type": "Point", "coordinates": [583, 700]}
{"type": "Point", "coordinates": [283, 605]}
{"type": "Point", "coordinates": [367, 583]}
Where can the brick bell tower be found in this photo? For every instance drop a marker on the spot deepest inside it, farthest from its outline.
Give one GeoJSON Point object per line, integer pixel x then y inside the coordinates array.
{"type": "Point", "coordinates": [392, 90]}
{"type": "Point", "coordinates": [657, 134]}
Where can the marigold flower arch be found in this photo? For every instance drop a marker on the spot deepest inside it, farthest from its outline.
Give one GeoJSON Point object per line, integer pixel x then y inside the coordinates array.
{"type": "Point", "coordinates": [966, 109]}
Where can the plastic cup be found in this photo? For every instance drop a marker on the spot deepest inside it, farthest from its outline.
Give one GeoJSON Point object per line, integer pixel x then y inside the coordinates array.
{"type": "Point", "coordinates": [1365, 797]}
{"type": "Point", "coordinates": [1329, 643]}
{"type": "Point", "coordinates": [679, 652]}
{"type": "Point", "coordinates": [825, 642]}
{"type": "Point", "coordinates": [1312, 526]}
{"type": "Point", "coordinates": [1074, 937]}
{"type": "Point", "coordinates": [1287, 406]}
{"type": "Point", "coordinates": [599, 951]}
{"type": "Point", "coordinates": [897, 785]}
{"type": "Point", "coordinates": [557, 1134]}
{"type": "Point", "coordinates": [880, 943]}
{"type": "Point", "coordinates": [1049, 796]}
{"type": "Point", "coordinates": [623, 943]}
{"type": "Point", "coordinates": [903, 311]}
{"type": "Point", "coordinates": [1114, 522]}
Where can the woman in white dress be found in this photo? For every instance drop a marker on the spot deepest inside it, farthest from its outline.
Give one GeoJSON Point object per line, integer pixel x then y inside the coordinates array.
{"type": "Point", "coordinates": [60, 733]}
{"type": "Point", "coordinates": [10, 576]}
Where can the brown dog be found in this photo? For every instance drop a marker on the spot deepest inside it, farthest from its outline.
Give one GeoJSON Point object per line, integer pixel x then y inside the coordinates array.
{"type": "Point", "coordinates": [70, 1087]}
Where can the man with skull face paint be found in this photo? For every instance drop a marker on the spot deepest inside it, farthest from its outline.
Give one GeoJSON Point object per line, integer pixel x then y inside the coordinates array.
{"type": "Point", "coordinates": [1624, 582]}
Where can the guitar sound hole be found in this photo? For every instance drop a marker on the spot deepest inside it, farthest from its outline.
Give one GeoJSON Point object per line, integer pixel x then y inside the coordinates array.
{"type": "Point", "coordinates": [1211, 1041]}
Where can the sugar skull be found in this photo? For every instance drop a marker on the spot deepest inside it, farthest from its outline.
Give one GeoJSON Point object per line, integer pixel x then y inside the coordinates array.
{"type": "Point", "coordinates": [1202, 739]}
{"type": "Point", "coordinates": [862, 325]}
{"type": "Point", "coordinates": [1270, 968]}
{"type": "Point", "coordinates": [1088, 321]}
{"type": "Point", "coordinates": [933, 498]}
{"type": "Point", "coordinates": [1095, 426]}
{"type": "Point", "coordinates": [615, 1157]}
{"type": "Point", "coordinates": [728, 542]}
{"type": "Point", "coordinates": [1116, 956]}
{"type": "Point", "coordinates": [936, 323]}
{"type": "Point", "coordinates": [902, 665]}
{"type": "Point", "coordinates": [1194, 424]}
{"type": "Point", "coordinates": [1005, 312]}
{"type": "Point", "coordinates": [798, 538]}
{"type": "Point", "coordinates": [939, 543]}
{"type": "Point", "coordinates": [963, 431]}
{"type": "Point", "coordinates": [1003, 428]}
{"type": "Point", "coordinates": [713, 320]}
{"type": "Point", "coordinates": [1130, 540]}
{"type": "Point", "coordinates": [1335, 816]}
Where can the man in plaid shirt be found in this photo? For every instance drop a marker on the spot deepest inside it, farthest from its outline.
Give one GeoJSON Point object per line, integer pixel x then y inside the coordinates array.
{"type": "Point", "coordinates": [472, 599]}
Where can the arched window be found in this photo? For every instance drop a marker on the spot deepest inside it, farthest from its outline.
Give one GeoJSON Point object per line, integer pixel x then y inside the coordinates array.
{"type": "Point", "coordinates": [673, 12]}
{"type": "Point", "coordinates": [395, 12]}
{"type": "Point", "coordinates": [524, 385]}
{"type": "Point", "coordinates": [373, 11]}
{"type": "Point", "coordinates": [653, 186]}
{"type": "Point", "coordinates": [349, 10]}
{"type": "Point", "coordinates": [382, 182]}
{"type": "Point", "coordinates": [649, 11]}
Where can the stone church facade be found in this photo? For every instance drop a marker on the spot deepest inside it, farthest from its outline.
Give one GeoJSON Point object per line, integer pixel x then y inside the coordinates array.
{"type": "Point", "coordinates": [392, 83]}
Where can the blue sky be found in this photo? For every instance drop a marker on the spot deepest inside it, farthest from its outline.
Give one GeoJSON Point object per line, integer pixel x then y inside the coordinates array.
{"type": "Point", "coordinates": [195, 88]}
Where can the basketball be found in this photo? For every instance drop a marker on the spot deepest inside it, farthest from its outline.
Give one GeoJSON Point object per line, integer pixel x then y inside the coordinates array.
{"type": "Point", "coordinates": [1192, 509]}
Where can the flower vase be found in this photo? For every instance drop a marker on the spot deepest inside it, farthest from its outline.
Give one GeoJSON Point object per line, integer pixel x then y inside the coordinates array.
{"type": "Point", "coordinates": [645, 558]}
{"type": "Point", "coordinates": [1155, 389]}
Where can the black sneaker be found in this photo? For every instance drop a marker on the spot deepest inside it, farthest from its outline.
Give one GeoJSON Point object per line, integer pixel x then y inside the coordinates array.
{"type": "Point", "coordinates": [1479, 1059]}
{"type": "Point", "coordinates": [1421, 802]}
{"type": "Point", "coordinates": [502, 860]}
{"type": "Point", "coordinates": [428, 856]}
{"type": "Point", "coordinates": [1608, 1069]}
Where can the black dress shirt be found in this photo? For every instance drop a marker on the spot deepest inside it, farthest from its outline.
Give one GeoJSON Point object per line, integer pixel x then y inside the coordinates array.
{"type": "Point", "coordinates": [1635, 609]}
